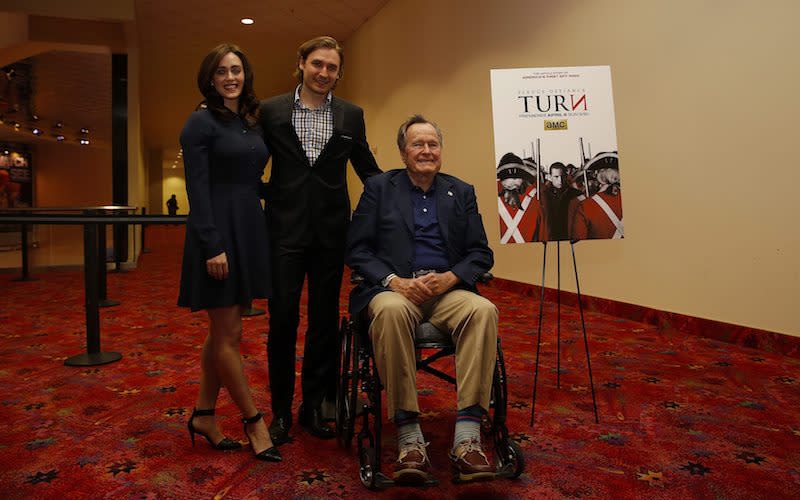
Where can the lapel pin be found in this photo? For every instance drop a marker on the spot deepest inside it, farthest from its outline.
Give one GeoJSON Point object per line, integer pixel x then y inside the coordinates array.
{"type": "Point", "coordinates": [449, 193]}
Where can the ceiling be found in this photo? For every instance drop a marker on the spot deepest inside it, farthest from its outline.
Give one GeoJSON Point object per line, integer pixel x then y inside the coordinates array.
{"type": "Point", "coordinates": [73, 74]}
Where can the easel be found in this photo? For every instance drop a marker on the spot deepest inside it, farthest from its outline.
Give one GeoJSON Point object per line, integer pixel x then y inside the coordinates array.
{"type": "Point", "coordinates": [558, 328]}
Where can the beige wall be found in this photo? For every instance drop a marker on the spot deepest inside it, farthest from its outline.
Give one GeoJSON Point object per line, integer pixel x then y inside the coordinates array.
{"type": "Point", "coordinates": [67, 175]}
{"type": "Point", "coordinates": [706, 104]}
{"type": "Point", "coordinates": [174, 182]}
{"type": "Point", "coordinates": [137, 170]}
{"type": "Point", "coordinates": [155, 205]}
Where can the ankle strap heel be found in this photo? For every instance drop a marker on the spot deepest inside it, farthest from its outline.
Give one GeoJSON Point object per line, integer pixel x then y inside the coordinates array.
{"type": "Point", "coordinates": [225, 444]}
{"type": "Point", "coordinates": [268, 455]}
{"type": "Point", "coordinates": [251, 420]}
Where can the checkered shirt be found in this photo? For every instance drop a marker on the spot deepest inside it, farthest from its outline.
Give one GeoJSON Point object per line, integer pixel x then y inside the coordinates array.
{"type": "Point", "coordinates": [314, 127]}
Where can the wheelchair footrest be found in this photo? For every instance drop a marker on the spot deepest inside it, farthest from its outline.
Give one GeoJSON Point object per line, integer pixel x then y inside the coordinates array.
{"type": "Point", "coordinates": [382, 481]}
{"type": "Point", "coordinates": [506, 471]}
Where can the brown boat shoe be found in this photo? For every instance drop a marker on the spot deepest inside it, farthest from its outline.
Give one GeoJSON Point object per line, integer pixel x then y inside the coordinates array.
{"type": "Point", "coordinates": [470, 462]}
{"type": "Point", "coordinates": [412, 465]}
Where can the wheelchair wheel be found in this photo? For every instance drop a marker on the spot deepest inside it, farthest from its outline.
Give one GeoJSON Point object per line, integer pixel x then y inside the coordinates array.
{"type": "Point", "coordinates": [352, 395]}
{"type": "Point", "coordinates": [511, 458]}
{"type": "Point", "coordinates": [367, 467]}
{"type": "Point", "coordinates": [498, 401]}
{"type": "Point", "coordinates": [344, 411]}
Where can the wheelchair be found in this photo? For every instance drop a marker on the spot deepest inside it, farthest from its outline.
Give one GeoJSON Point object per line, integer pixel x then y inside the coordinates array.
{"type": "Point", "coordinates": [358, 375]}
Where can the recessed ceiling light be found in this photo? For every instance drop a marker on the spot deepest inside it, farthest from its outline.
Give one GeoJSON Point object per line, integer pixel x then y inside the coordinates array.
{"type": "Point", "coordinates": [247, 20]}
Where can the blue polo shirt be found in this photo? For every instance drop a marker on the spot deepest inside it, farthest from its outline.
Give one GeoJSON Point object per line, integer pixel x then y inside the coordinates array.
{"type": "Point", "coordinates": [430, 251]}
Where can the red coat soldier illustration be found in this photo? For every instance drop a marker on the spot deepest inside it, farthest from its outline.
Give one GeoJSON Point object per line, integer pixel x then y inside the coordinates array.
{"type": "Point", "coordinates": [518, 203]}
{"type": "Point", "coordinates": [599, 216]}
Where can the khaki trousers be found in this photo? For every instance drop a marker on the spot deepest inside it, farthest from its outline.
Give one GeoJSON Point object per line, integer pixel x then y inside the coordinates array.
{"type": "Point", "coordinates": [468, 317]}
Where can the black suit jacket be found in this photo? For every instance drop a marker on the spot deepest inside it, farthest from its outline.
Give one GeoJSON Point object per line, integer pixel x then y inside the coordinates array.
{"type": "Point", "coordinates": [306, 203]}
{"type": "Point", "coordinates": [381, 236]}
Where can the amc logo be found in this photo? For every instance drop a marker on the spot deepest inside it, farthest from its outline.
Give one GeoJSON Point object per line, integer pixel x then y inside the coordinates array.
{"type": "Point", "coordinates": [555, 124]}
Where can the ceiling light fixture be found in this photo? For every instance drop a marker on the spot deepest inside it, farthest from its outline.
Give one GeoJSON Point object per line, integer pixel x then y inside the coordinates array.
{"type": "Point", "coordinates": [247, 21]}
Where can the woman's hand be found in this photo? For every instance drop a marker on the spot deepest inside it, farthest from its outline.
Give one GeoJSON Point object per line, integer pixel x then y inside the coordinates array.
{"type": "Point", "coordinates": [217, 267]}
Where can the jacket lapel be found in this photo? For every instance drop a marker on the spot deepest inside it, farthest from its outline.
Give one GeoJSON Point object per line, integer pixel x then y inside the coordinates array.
{"type": "Point", "coordinates": [401, 186]}
{"type": "Point", "coordinates": [338, 115]}
{"type": "Point", "coordinates": [287, 127]}
{"type": "Point", "coordinates": [445, 201]}
{"type": "Point", "coordinates": [337, 111]}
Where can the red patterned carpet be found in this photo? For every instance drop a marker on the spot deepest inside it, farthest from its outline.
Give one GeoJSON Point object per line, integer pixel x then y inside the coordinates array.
{"type": "Point", "coordinates": [680, 416]}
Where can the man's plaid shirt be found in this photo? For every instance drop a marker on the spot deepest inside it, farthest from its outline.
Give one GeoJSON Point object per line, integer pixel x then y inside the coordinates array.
{"type": "Point", "coordinates": [314, 127]}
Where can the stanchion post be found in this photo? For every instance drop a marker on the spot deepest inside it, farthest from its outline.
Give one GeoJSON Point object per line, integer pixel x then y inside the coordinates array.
{"type": "Point", "coordinates": [118, 228]}
{"type": "Point", "coordinates": [92, 297]}
{"type": "Point", "coordinates": [102, 271]}
{"type": "Point", "coordinates": [144, 247]}
{"type": "Point", "coordinates": [25, 276]}
{"type": "Point", "coordinates": [93, 355]}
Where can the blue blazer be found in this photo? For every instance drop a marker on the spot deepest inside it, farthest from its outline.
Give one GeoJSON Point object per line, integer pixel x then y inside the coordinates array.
{"type": "Point", "coordinates": [380, 240]}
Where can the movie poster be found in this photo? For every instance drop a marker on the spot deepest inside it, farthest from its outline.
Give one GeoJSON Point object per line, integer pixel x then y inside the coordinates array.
{"type": "Point", "coordinates": [16, 185]}
{"type": "Point", "coordinates": [556, 159]}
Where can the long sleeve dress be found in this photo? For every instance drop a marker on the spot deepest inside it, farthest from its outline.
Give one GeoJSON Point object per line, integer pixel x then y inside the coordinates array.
{"type": "Point", "coordinates": [224, 162]}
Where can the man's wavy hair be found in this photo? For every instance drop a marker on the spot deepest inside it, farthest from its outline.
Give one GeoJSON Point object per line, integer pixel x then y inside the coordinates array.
{"type": "Point", "coordinates": [320, 42]}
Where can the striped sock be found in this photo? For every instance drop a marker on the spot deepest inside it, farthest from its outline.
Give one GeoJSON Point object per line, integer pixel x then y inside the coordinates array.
{"type": "Point", "coordinates": [408, 429]}
{"type": "Point", "coordinates": [468, 425]}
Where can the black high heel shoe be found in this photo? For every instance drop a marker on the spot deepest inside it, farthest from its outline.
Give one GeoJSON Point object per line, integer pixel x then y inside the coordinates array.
{"type": "Point", "coordinates": [270, 454]}
{"type": "Point", "coordinates": [225, 444]}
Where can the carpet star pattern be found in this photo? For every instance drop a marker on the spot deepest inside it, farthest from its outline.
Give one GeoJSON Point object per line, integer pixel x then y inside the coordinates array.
{"type": "Point", "coordinates": [71, 432]}
{"type": "Point", "coordinates": [696, 469]}
{"type": "Point", "coordinates": [42, 477]}
{"type": "Point", "coordinates": [125, 466]}
{"type": "Point", "coordinates": [311, 476]}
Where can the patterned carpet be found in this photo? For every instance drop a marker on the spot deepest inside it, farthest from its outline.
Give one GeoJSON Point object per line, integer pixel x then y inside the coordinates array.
{"type": "Point", "coordinates": [680, 416]}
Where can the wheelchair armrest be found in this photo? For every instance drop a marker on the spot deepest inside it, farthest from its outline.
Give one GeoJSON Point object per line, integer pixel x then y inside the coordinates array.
{"type": "Point", "coordinates": [485, 278]}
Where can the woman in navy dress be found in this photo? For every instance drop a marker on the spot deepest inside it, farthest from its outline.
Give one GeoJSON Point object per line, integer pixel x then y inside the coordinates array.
{"type": "Point", "coordinates": [226, 253]}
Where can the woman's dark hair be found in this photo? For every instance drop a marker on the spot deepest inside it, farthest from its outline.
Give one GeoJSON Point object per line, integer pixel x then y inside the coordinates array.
{"type": "Point", "coordinates": [248, 102]}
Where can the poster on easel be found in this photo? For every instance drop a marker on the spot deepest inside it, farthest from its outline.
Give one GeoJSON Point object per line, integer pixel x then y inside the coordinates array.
{"type": "Point", "coordinates": [16, 180]}
{"type": "Point", "coordinates": [556, 157]}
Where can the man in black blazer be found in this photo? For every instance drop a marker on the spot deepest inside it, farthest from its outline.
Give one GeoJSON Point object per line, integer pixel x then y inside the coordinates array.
{"type": "Point", "coordinates": [311, 135]}
{"type": "Point", "coordinates": [418, 240]}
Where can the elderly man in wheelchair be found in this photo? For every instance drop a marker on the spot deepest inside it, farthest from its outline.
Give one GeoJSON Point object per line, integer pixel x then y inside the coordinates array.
{"type": "Point", "coordinates": [418, 242]}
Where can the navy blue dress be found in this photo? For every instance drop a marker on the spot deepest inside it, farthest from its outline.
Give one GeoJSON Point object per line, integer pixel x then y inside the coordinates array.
{"type": "Point", "coordinates": [224, 162]}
